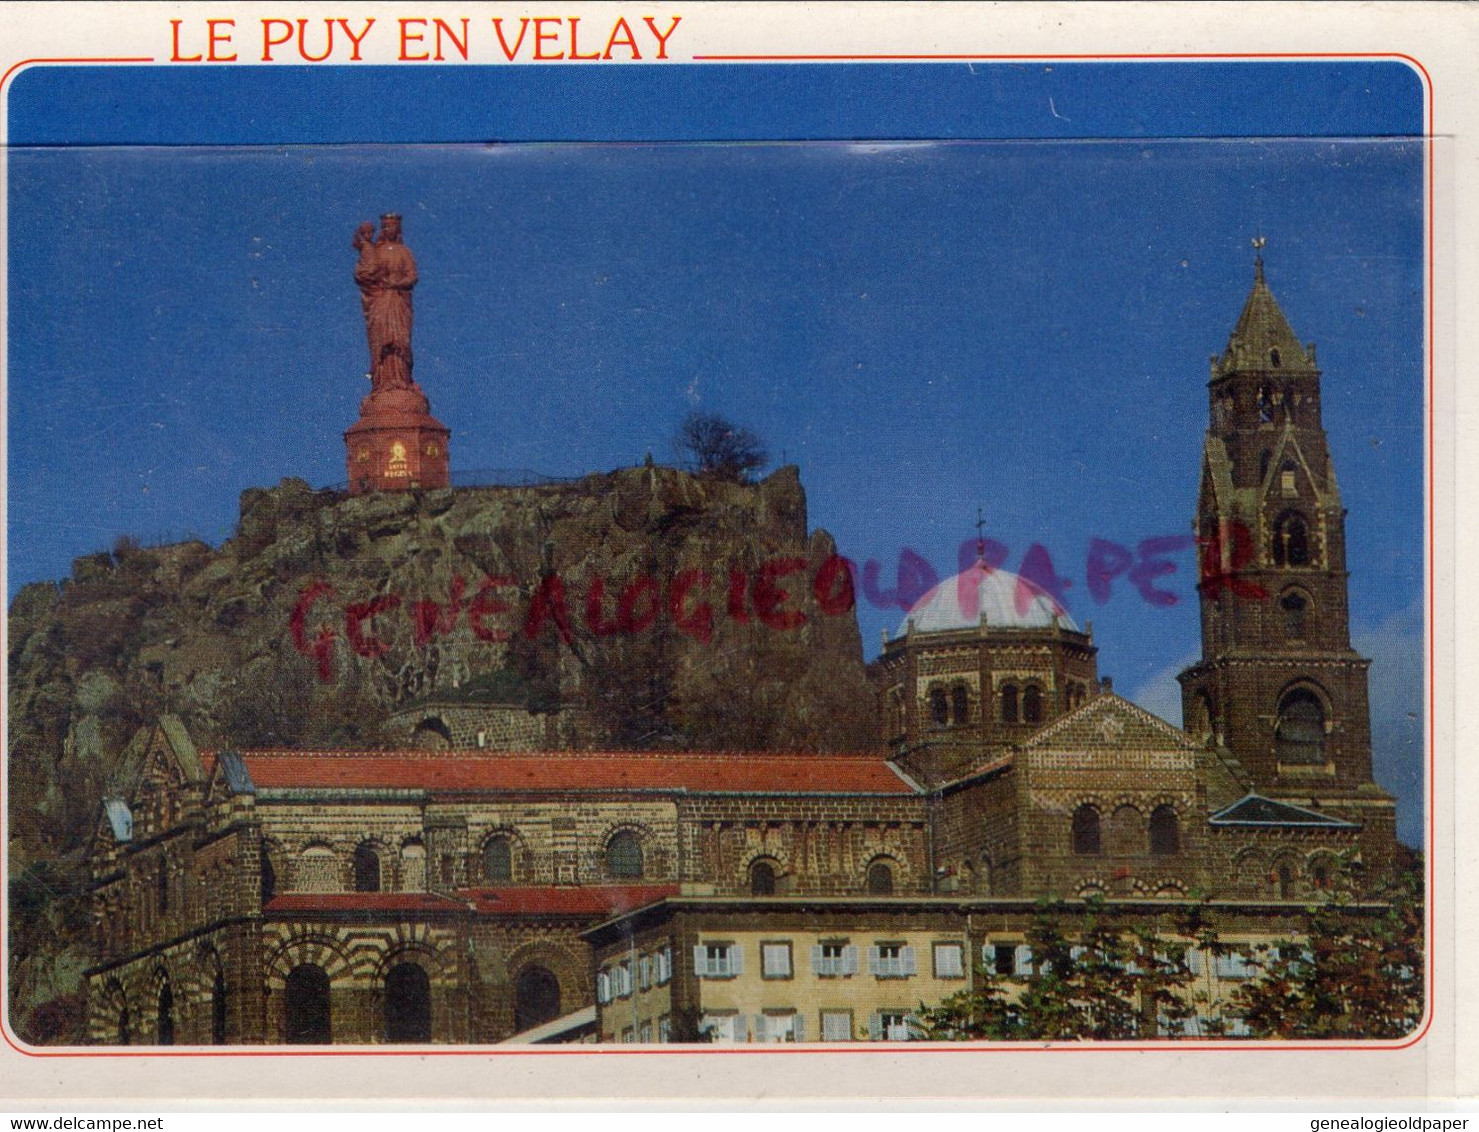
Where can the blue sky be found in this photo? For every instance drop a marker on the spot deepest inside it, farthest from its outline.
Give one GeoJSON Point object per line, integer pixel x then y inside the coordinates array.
{"type": "Point", "coordinates": [999, 317]}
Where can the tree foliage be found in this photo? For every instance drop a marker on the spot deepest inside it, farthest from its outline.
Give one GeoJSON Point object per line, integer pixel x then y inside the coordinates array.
{"type": "Point", "coordinates": [1090, 979]}
{"type": "Point", "coordinates": [1356, 971]}
{"type": "Point", "coordinates": [720, 449]}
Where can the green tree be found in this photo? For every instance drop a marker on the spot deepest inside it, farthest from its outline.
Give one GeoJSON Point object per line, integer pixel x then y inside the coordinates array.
{"type": "Point", "coordinates": [1356, 971]}
{"type": "Point", "coordinates": [1091, 979]}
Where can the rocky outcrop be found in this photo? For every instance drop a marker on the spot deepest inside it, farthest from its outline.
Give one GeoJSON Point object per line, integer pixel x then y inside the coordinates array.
{"type": "Point", "coordinates": [675, 611]}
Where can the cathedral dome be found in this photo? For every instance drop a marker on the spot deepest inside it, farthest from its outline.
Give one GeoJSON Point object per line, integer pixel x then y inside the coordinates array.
{"type": "Point", "coordinates": [1007, 600]}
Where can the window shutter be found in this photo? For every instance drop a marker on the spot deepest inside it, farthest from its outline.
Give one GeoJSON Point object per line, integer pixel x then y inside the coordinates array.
{"type": "Point", "coordinates": [1195, 961]}
{"type": "Point", "coordinates": [875, 1027]}
{"type": "Point", "coordinates": [908, 965]}
{"type": "Point", "coordinates": [736, 959]}
{"type": "Point", "coordinates": [988, 956]}
{"type": "Point", "coordinates": [818, 963]}
{"type": "Point", "coordinates": [949, 960]}
{"type": "Point", "coordinates": [761, 1033]}
{"type": "Point", "coordinates": [1022, 961]}
{"type": "Point", "coordinates": [700, 960]}
{"type": "Point", "coordinates": [603, 988]}
{"type": "Point", "coordinates": [798, 1027]}
{"type": "Point", "coordinates": [875, 961]}
{"type": "Point", "coordinates": [849, 960]}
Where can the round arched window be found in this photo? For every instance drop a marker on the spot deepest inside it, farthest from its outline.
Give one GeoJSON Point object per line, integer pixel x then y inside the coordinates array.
{"type": "Point", "coordinates": [624, 855]}
{"type": "Point", "coordinates": [1086, 837]}
{"type": "Point", "coordinates": [498, 861]}
{"type": "Point", "coordinates": [366, 869]}
{"type": "Point", "coordinates": [762, 879]}
{"type": "Point", "coordinates": [1165, 832]}
{"type": "Point", "coordinates": [1300, 734]}
{"type": "Point", "coordinates": [1009, 703]}
{"type": "Point", "coordinates": [880, 878]}
{"type": "Point", "coordinates": [1032, 704]}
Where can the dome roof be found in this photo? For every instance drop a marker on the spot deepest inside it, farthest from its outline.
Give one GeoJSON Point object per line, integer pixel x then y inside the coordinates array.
{"type": "Point", "coordinates": [1007, 600]}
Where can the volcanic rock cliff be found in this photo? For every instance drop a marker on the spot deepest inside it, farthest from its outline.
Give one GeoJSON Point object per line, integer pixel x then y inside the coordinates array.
{"type": "Point", "coordinates": [668, 610]}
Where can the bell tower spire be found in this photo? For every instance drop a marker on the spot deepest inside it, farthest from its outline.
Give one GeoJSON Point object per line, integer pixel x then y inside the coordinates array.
{"type": "Point", "coordinates": [1278, 685]}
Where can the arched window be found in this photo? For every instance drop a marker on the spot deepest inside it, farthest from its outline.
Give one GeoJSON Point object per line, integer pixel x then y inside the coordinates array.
{"type": "Point", "coordinates": [432, 734]}
{"type": "Point", "coordinates": [960, 705]}
{"type": "Point", "coordinates": [1086, 829]}
{"type": "Point", "coordinates": [536, 998]}
{"type": "Point", "coordinates": [1273, 358]}
{"type": "Point", "coordinates": [624, 855]}
{"type": "Point", "coordinates": [366, 869]}
{"type": "Point", "coordinates": [1165, 832]}
{"type": "Point", "coordinates": [166, 1029]}
{"type": "Point", "coordinates": [218, 1009]}
{"type": "Point", "coordinates": [413, 867]}
{"type": "Point", "coordinates": [1295, 607]}
{"type": "Point", "coordinates": [762, 879]}
{"type": "Point", "coordinates": [1009, 703]}
{"type": "Point", "coordinates": [1300, 734]}
{"type": "Point", "coordinates": [407, 1004]}
{"type": "Point", "coordinates": [880, 879]}
{"type": "Point", "coordinates": [1284, 878]}
{"type": "Point", "coordinates": [1291, 541]}
{"type": "Point", "coordinates": [1032, 704]}
{"type": "Point", "coordinates": [306, 1006]}
{"type": "Point", "coordinates": [498, 861]}
{"type": "Point", "coordinates": [939, 707]}
{"type": "Point", "coordinates": [1320, 874]}
{"type": "Point", "coordinates": [269, 877]}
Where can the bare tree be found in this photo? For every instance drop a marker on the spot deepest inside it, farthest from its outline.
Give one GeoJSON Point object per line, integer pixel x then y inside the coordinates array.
{"type": "Point", "coordinates": [719, 448]}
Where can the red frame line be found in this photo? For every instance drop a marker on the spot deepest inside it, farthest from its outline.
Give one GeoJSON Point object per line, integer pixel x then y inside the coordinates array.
{"type": "Point", "coordinates": [950, 1047]}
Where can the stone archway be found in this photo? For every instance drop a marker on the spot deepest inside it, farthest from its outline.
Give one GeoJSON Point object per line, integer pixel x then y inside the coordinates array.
{"type": "Point", "coordinates": [306, 1006]}
{"type": "Point", "coordinates": [407, 1004]}
{"type": "Point", "coordinates": [536, 997]}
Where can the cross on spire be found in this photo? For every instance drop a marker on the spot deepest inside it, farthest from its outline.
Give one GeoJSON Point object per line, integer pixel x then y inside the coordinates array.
{"type": "Point", "coordinates": [1258, 242]}
{"type": "Point", "coordinates": [980, 535]}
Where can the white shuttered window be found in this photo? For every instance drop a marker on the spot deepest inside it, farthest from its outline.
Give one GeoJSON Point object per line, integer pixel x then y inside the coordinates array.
{"type": "Point", "coordinates": [718, 960]}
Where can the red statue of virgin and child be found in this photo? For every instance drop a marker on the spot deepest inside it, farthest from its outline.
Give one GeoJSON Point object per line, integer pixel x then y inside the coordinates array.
{"type": "Point", "coordinates": [396, 444]}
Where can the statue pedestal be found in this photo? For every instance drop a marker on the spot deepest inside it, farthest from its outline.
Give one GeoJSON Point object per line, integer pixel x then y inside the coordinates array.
{"type": "Point", "coordinates": [397, 445]}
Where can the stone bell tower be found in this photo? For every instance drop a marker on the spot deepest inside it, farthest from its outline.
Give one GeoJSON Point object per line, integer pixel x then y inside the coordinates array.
{"type": "Point", "coordinates": [1278, 685]}
{"type": "Point", "coordinates": [396, 445]}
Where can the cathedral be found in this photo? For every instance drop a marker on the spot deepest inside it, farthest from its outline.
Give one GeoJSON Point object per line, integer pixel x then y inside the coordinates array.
{"type": "Point", "coordinates": [482, 893]}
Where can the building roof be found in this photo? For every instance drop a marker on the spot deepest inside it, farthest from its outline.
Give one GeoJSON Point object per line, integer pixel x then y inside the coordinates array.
{"type": "Point", "coordinates": [1006, 600]}
{"type": "Point", "coordinates": [325, 902]}
{"type": "Point", "coordinates": [1256, 810]}
{"type": "Point", "coordinates": [541, 900]}
{"type": "Point", "coordinates": [566, 899]}
{"type": "Point", "coordinates": [571, 771]}
{"type": "Point", "coordinates": [1261, 329]}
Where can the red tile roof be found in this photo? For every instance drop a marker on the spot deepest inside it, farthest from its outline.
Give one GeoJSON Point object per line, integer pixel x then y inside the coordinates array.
{"type": "Point", "coordinates": [598, 771]}
{"type": "Point", "coordinates": [569, 900]}
{"type": "Point", "coordinates": [549, 900]}
{"type": "Point", "coordinates": [290, 902]}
